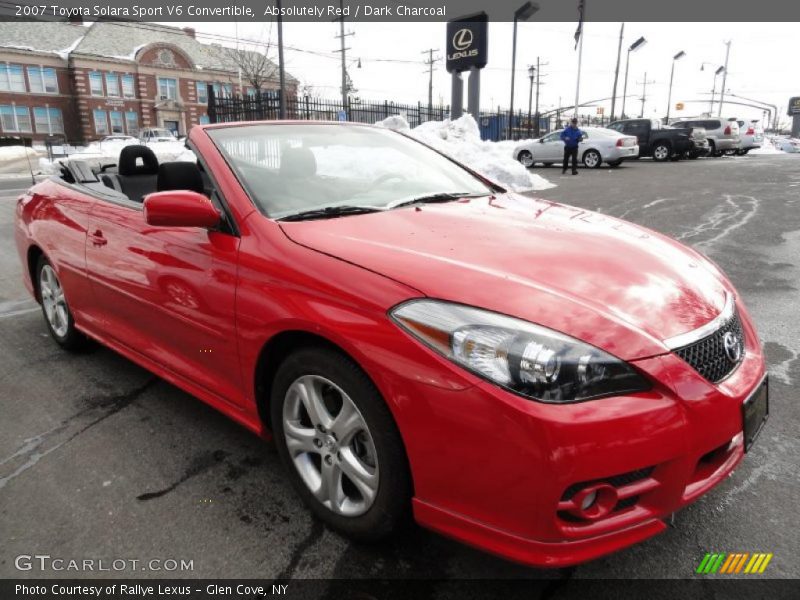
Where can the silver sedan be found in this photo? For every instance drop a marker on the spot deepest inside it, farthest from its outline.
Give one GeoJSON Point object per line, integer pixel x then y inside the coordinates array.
{"type": "Point", "coordinates": [599, 146]}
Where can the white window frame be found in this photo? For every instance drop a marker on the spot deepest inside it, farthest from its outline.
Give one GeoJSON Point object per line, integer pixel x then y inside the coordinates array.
{"type": "Point", "coordinates": [92, 91]}
{"type": "Point", "coordinates": [48, 111]}
{"type": "Point", "coordinates": [132, 80]}
{"type": "Point", "coordinates": [121, 122]}
{"type": "Point", "coordinates": [202, 85]}
{"type": "Point", "coordinates": [135, 130]}
{"type": "Point", "coordinates": [167, 88]}
{"type": "Point", "coordinates": [5, 78]}
{"type": "Point", "coordinates": [36, 73]}
{"type": "Point", "coordinates": [113, 85]}
{"type": "Point", "coordinates": [105, 122]}
{"type": "Point", "coordinates": [15, 117]}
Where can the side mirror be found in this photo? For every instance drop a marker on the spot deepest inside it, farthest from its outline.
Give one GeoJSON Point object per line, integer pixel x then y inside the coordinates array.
{"type": "Point", "coordinates": [180, 208]}
{"type": "Point", "coordinates": [541, 140]}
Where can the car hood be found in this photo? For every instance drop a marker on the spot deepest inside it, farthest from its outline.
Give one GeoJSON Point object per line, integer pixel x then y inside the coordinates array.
{"type": "Point", "coordinates": [608, 282]}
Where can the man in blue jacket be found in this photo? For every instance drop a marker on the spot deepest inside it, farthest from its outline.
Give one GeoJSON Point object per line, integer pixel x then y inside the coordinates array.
{"type": "Point", "coordinates": [571, 136]}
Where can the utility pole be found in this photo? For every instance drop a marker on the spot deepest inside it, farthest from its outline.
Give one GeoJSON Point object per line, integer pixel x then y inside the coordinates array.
{"type": "Point", "coordinates": [343, 50]}
{"type": "Point", "coordinates": [644, 93]}
{"type": "Point", "coordinates": [616, 71]}
{"type": "Point", "coordinates": [538, 83]}
{"type": "Point", "coordinates": [724, 77]}
{"type": "Point", "coordinates": [430, 62]}
{"type": "Point", "coordinates": [281, 70]}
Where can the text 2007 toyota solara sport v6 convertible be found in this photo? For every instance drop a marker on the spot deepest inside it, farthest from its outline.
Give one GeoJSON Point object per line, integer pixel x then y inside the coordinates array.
{"type": "Point", "coordinates": [543, 382]}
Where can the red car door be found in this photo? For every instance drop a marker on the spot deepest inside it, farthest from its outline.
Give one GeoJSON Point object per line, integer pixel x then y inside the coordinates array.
{"type": "Point", "coordinates": [168, 293]}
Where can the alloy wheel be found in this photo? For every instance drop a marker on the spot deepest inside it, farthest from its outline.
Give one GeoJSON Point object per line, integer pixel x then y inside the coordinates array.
{"type": "Point", "coordinates": [591, 159]}
{"type": "Point", "coordinates": [330, 445]}
{"type": "Point", "coordinates": [55, 305]}
{"type": "Point", "coordinates": [661, 153]}
{"type": "Point", "coordinates": [526, 158]}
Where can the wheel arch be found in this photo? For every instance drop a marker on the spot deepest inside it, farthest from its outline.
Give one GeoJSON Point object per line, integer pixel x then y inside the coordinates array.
{"type": "Point", "coordinates": [33, 255]}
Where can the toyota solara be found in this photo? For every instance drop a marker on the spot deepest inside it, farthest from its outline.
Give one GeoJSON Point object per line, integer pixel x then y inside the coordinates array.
{"type": "Point", "coordinates": [543, 382]}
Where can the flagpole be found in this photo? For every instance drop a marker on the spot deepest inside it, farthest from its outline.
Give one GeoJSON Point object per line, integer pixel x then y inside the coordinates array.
{"type": "Point", "coordinates": [578, 82]}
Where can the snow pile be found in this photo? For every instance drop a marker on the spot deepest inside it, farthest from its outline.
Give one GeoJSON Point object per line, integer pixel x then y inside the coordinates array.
{"type": "Point", "coordinates": [12, 153]}
{"type": "Point", "coordinates": [461, 140]}
{"type": "Point", "coordinates": [107, 152]}
{"type": "Point", "coordinates": [766, 148]}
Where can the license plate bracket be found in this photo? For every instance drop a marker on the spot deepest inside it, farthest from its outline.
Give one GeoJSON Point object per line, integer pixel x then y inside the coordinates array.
{"type": "Point", "coordinates": [755, 412]}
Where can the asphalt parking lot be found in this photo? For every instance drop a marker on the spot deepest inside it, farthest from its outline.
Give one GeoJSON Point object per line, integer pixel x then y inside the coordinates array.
{"type": "Point", "coordinates": [100, 459]}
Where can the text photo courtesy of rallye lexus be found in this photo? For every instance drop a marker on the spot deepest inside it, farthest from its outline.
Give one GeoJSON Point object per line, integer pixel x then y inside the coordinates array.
{"type": "Point", "coordinates": [543, 382]}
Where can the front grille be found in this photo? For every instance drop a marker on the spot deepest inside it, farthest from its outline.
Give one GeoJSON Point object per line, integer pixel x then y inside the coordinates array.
{"type": "Point", "coordinates": [707, 356]}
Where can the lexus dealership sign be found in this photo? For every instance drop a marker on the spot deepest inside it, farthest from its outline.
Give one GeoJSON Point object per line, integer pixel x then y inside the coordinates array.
{"type": "Point", "coordinates": [467, 43]}
{"type": "Point", "coordinates": [794, 106]}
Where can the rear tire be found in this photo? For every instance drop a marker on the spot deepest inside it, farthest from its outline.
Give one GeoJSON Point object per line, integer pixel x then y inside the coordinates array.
{"type": "Point", "coordinates": [712, 150]}
{"type": "Point", "coordinates": [662, 152]}
{"type": "Point", "coordinates": [592, 159]}
{"type": "Point", "coordinates": [351, 472]}
{"type": "Point", "coordinates": [57, 315]}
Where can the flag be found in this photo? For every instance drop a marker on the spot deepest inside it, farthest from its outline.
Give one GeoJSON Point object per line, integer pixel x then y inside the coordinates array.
{"type": "Point", "coordinates": [579, 30]}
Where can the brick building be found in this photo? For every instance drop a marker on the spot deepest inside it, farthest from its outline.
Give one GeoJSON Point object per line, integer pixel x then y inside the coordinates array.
{"type": "Point", "coordinates": [86, 82]}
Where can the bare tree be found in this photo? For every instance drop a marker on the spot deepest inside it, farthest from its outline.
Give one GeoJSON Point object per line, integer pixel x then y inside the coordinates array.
{"type": "Point", "coordinates": [256, 68]}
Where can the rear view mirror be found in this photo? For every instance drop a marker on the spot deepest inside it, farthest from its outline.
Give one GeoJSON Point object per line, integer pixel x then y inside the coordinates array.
{"type": "Point", "coordinates": [180, 208]}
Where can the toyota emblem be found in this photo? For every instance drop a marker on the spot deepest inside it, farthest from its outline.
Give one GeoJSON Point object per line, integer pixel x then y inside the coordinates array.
{"type": "Point", "coordinates": [462, 39]}
{"type": "Point", "coordinates": [733, 346]}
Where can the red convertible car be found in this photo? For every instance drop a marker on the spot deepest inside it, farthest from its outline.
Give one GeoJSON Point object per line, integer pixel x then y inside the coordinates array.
{"type": "Point", "coordinates": [543, 382]}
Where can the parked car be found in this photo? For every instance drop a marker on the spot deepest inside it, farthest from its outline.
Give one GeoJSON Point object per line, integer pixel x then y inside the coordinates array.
{"type": "Point", "coordinates": [786, 144]}
{"type": "Point", "coordinates": [156, 134]}
{"type": "Point", "coordinates": [663, 142]}
{"type": "Point", "coordinates": [541, 381]}
{"type": "Point", "coordinates": [723, 134]}
{"type": "Point", "coordinates": [598, 146]}
{"type": "Point", "coordinates": [751, 136]}
{"type": "Point", "coordinates": [118, 138]}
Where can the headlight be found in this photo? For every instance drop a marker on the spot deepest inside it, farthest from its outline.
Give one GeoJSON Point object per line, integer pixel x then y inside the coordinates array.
{"type": "Point", "coordinates": [528, 359]}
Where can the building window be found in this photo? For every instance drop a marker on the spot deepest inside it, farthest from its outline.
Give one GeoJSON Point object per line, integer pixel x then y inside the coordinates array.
{"type": "Point", "coordinates": [42, 80]}
{"type": "Point", "coordinates": [112, 85]}
{"type": "Point", "coordinates": [128, 86]}
{"type": "Point", "coordinates": [15, 119]}
{"type": "Point", "coordinates": [96, 83]}
{"type": "Point", "coordinates": [48, 120]}
{"type": "Point", "coordinates": [167, 88]}
{"type": "Point", "coordinates": [132, 122]}
{"type": "Point", "coordinates": [100, 122]}
{"type": "Point", "coordinates": [202, 92]}
{"type": "Point", "coordinates": [223, 89]}
{"type": "Point", "coordinates": [204, 120]}
{"type": "Point", "coordinates": [115, 117]}
{"type": "Point", "coordinates": [12, 78]}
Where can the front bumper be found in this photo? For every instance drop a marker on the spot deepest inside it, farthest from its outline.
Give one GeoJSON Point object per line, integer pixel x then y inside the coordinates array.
{"type": "Point", "coordinates": [501, 478]}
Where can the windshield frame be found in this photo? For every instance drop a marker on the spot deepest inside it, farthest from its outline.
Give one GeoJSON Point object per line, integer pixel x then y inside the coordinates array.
{"type": "Point", "coordinates": [492, 187]}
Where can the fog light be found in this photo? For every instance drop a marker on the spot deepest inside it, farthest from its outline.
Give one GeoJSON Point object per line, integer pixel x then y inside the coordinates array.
{"type": "Point", "coordinates": [594, 502]}
{"type": "Point", "coordinates": [588, 499]}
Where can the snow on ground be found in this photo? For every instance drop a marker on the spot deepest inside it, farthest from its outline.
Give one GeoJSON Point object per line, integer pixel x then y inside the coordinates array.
{"type": "Point", "coordinates": [102, 153]}
{"type": "Point", "coordinates": [461, 139]}
{"type": "Point", "coordinates": [767, 148]}
{"type": "Point", "coordinates": [10, 153]}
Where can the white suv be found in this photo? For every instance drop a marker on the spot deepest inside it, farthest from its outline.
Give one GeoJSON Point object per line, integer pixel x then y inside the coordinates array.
{"type": "Point", "coordinates": [751, 134]}
{"type": "Point", "coordinates": [723, 134]}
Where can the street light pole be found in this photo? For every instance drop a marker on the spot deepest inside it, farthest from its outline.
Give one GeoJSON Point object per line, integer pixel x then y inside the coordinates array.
{"type": "Point", "coordinates": [678, 56]}
{"type": "Point", "coordinates": [714, 90]}
{"type": "Point", "coordinates": [724, 77]}
{"type": "Point", "coordinates": [616, 71]}
{"type": "Point", "coordinates": [633, 47]}
{"type": "Point", "coordinates": [538, 81]}
{"type": "Point", "coordinates": [524, 12]}
{"type": "Point", "coordinates": [531, 75]}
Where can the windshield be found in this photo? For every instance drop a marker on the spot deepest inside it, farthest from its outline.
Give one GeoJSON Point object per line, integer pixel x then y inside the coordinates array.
{"type": "Point", "coordinates": [291, 169]}
{"type": "Point", "coordinates": [161, 133]}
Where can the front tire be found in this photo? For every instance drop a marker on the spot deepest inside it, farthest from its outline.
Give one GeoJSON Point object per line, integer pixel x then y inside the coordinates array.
{"type": "Point", "coordinates": [55, 309]}
{"type": "Point", "coordinates": [526, 159]}
{"type": "Point", "coordinates": [592, 159]}
{"type": "Point", "coordinates": [340, 445]}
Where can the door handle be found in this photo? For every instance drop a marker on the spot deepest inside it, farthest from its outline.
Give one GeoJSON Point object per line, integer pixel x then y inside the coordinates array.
{"type": "Point", "coordinates": [97, 238]}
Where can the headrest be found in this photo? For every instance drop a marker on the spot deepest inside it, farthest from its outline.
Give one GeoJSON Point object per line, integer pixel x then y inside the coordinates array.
{"type": "Point", "coordinates": [179, 176]}
{"type": "Point", "coordinates": [127, 161]}
{"type": "Point", "coordinates": [298, 162]}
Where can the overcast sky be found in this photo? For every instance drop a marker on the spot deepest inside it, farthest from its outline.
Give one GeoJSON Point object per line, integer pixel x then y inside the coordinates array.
{"type": "Point", "coordinates": [761, 66]}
